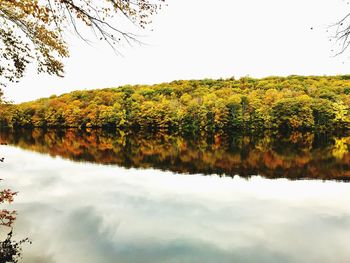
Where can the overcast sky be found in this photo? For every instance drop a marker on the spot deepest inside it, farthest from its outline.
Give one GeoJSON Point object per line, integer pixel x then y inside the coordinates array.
{"type": "Point", "coordinates": [195, 39]}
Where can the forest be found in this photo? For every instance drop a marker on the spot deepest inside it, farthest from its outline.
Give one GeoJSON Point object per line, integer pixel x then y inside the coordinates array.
{"type": "Point", "coordinates": [318, 103]}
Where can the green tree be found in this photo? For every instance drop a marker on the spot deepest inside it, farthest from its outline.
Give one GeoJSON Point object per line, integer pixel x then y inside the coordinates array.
{"type": "Point", "coordinates": [293, 113]}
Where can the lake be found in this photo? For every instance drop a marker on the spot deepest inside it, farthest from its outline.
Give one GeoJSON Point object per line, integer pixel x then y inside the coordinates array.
{"type": "Point", "coordinates": [94, 196]}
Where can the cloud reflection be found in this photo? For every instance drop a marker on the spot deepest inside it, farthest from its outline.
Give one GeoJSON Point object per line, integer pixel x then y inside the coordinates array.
{"type": "Point", "coordinates": [77, 212]}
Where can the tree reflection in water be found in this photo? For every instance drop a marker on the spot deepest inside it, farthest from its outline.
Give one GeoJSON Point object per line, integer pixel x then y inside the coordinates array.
{"type": "Point", "coordinates": [294, 156]}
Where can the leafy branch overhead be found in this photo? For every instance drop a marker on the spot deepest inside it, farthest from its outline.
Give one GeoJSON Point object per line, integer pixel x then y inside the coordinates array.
{"type": "Point", "coordinates": [32, 30]}
{"type": "Point", "coordinates": [342, 33]}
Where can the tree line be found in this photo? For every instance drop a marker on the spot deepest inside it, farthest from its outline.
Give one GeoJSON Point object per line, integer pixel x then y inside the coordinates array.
{"type": "Point", "coordinates": [194, 106]}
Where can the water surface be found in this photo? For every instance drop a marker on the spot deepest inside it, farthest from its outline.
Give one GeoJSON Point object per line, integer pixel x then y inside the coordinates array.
{"type": "Point", "coordinates": [74, 208]}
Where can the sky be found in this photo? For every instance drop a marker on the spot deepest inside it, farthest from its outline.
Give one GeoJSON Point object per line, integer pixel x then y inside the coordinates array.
{"type": "Point", "coordinates": [204, 39]}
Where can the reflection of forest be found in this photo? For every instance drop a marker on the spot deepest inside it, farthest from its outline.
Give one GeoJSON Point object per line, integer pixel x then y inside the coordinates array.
{"type": "Point", "coordinates": [296, 156]}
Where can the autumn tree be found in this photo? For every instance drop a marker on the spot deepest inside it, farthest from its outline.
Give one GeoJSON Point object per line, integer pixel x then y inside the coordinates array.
{"type": "Point", "coordinates": [10, 250]}
{"type": "Point", "coordinates": [33, 30]}
{"type": "Point", "coordinates": [288, 103]}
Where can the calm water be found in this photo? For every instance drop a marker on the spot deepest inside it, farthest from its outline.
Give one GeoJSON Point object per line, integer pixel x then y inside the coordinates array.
{"type": "Point", "coordinates": [75, 208]}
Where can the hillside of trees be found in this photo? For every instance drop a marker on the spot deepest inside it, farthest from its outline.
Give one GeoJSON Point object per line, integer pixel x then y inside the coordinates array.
{"type": "Point", "coordinates": [319, 103]}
